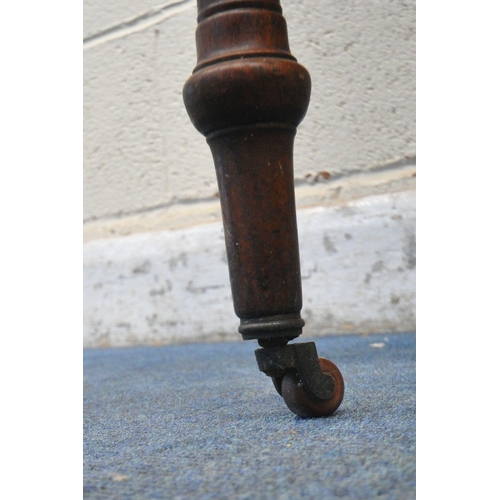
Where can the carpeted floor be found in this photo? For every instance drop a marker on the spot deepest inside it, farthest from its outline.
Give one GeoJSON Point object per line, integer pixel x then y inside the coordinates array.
{"type": "Point", "coordinates": [201, 422]}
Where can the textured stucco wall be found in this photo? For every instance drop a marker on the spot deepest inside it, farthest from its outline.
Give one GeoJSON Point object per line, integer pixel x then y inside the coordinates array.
{"type": "Point", "coordinates": [141, 151]}
{"type": "Point", "coordinates": [150, 192]}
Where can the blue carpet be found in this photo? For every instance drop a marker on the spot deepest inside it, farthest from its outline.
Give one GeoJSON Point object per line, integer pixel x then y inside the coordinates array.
{"type": "Point", "coordinates": [201, 422]}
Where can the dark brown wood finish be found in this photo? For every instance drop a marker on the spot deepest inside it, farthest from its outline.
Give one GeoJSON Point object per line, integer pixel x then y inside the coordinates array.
{"type": "Point", "coordinates": [247, 94]}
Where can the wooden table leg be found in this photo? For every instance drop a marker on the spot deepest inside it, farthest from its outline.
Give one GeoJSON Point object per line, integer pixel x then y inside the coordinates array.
{"type": "Point", "coordinates": [247, 95]}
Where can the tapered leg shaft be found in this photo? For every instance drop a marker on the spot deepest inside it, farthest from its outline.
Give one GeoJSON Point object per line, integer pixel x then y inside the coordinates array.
{"type": "Point", "coordinates": [247, 95]}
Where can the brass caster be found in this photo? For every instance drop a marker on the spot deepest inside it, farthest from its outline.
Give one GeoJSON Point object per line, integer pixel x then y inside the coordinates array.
{"type": "Point", "coordinates": [300, 402]}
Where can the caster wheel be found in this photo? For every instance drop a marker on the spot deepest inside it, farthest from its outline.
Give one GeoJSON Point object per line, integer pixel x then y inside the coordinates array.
{"type": "Point", "coordinates": [306, 406]}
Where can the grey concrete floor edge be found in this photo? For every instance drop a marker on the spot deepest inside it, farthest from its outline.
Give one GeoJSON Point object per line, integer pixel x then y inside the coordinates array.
{"type": "Point", "coordinates": [200, 421]}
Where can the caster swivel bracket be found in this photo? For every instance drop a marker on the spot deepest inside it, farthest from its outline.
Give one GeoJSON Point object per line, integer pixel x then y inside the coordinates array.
{"type": "Point", "coordinates": [275, 362]}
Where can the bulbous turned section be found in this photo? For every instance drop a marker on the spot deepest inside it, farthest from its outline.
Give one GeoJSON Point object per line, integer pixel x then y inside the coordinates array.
{"type": "Point", "coordinates": [247, 91]}
{"type": "Point", "coordinates": [245, 72]}
{"type": "Point", "coordinates": [247, 94]}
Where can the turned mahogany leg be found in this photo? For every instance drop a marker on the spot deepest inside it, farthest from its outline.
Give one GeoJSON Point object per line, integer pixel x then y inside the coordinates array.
{"type": "Point", "coordinates": [247, 94]}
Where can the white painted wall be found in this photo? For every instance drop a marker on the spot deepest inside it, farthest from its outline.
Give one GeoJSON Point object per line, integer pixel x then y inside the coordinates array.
{"type": "Point", "coordinates": [148, 172]}
{"type": "Point", "coordinates": [357, 266]}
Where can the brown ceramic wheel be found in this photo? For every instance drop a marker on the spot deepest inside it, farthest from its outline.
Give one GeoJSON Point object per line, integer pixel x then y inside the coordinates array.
{"type": "Point", "coordinates": [306, 406]}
